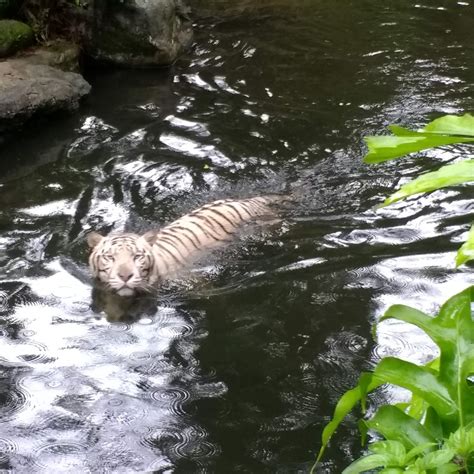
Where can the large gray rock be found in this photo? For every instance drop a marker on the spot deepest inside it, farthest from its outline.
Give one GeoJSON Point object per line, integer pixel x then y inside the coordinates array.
{"type": "Point", "coordinates": [28, 89]}
{"type": "Point", "coordinates": [137, 33]}
{"type": "Point", "coordinates": [229, 9]}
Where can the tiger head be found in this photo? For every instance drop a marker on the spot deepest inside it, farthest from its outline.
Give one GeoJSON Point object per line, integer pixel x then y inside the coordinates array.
{"type": "Point", "coordinates": [123, 263]}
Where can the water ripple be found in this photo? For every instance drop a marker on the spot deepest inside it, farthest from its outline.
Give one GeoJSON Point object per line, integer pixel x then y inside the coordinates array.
{"type": "Point", "coordinates": [162, 437]}
{"type": "Point", "coordinates": [122, 412]}
{"type": "Point", "coordinates": [119, 459]}
{"type": "Point", "coordinates": [33, 351]}
{"type": "Point", "coordinates": [197, 81]}
{"type": "Point", "coordinates": [61, 457]}
{"type": "Point", "coordinates": [15, 294]}
{"type": "Point", "coordinates": [196, 150]}
{"type": "Point", "coordinates": [194, 444]}
{"type": "Point", "coordinates": [196, 127]}
{"type": "Point", "coordinates": [398, 339]}
{"type": "Point", "coordinates": [15, 400]}
{"type": "Point", "coordinates": [8, 447]}
{"type": "Point", "coordinates": [338, 361]}
{"type": "Point", "coordinates": [155, 366]}
{"type": "Point", "coordinates": [56, 421]}
{"type": "Point", "coordinates": [174, 398]}
{"type": "Point", "coordinates": [175, 330]}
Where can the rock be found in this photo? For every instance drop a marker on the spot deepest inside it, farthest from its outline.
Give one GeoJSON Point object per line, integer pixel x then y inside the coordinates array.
{"type": "Point", "coordinates": [14, 35]}
{"type": "Point", "coordinates": [137, 33]}
{"type": "Point", "coordinates": [60, 54]}
{"type": "Point", "coordinates": [28, 89]}
{"type": "Point", "coordinates": [228, 10]}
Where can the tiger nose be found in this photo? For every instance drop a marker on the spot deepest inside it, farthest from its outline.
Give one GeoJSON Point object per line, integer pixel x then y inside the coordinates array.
{"type": "Point", "coordinates": [125, 275]}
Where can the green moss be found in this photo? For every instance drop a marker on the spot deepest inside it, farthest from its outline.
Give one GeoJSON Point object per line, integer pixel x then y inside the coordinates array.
{"type": "Point", "coordinates": [14, 35]}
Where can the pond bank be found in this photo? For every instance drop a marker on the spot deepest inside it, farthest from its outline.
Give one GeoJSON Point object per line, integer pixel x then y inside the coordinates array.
{"type": "Point", "coordinates": [40, 81]}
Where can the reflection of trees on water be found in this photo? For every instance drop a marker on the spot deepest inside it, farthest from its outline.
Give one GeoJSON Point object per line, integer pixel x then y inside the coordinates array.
{"type": "Point", "coordinates": [12, 294]}
{"type": "Point", "coordinates": [93, 396]}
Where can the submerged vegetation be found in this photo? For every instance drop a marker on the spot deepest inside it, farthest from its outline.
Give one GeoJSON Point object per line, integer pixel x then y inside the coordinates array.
{"type": "Point", "coordinates": [434, 431]}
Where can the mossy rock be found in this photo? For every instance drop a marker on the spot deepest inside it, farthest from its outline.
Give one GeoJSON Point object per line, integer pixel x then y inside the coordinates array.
{"type": "Point", "coordinates": [138, 33]}
{"type": "Point", "coordinates": [14, 35]}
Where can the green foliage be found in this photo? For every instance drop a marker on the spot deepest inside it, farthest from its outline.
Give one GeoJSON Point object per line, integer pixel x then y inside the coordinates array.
{"type": "Point", "coordinates": [386, 148]}
{"type": "Point", "coordinates": [443, 131]}
{"type": "Point", "coordinates": [466, 252]}
{"type": "Point", "coordinates": [434, 432]}
{"type": "Point", "coordinates": [449, 175]}
{"type": "Point", "coordinates": [440, 132]}
{"type": "Point", "coordinates": [393, 457]}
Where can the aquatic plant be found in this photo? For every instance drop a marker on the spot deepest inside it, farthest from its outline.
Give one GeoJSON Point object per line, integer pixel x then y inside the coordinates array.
{"type": "Point", "coordinates": [434, 431]}
{"type": "Point", "coordinates": [446, 130]}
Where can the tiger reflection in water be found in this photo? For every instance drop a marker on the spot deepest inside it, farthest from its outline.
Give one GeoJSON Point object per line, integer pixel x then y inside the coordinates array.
{"type": "Point", "coordinates": [128, 265]}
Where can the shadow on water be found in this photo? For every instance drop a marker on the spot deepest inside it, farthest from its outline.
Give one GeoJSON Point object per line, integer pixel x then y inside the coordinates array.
{"type": "Point", "coordinates": [237, 365]}
{"type": "Point", "coordinates": [120, 308]}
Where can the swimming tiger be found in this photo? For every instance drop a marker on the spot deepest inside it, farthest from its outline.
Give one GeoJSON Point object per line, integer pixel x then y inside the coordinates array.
{"type": "Point", "coordinates": [127, 264]}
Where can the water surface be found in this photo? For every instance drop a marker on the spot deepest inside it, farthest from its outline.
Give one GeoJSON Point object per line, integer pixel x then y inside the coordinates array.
{"type": "Point", "coordinates": [237, 366]}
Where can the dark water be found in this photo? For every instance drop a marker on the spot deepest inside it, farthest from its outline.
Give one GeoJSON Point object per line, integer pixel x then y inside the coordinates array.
{"type": "Point", "coordinates": [238, 365]}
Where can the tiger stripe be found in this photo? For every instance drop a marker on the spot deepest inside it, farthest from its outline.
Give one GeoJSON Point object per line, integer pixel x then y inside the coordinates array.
{"type": "Point", "coordinates": [185, 229]}
{"type": "Point", "coordinates": [127, 263]}
{"type": "Point", "coordinates": [174, 235]}
{"type": "Point", "coordinates": [224, 218]}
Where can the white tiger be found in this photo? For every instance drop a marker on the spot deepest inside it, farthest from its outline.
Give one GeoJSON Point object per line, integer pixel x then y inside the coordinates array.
{"type": "Point", "coordinates": [127, 264]}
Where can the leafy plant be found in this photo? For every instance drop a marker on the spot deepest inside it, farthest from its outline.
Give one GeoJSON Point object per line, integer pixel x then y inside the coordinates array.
{"type": "Point", "coordinates": [393, 457]}
{"type": "Point", "coordinates": [443, 131]}
{"type": "Point", "coordinates": [446, 130]}
{"type": "Point", "coordinates": [434, 432]}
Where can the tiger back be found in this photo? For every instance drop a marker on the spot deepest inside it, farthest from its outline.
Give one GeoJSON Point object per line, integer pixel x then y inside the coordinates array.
{"type": "Point", "coordinates": [129, 263]}
{"type": "Point", "coordinates": [211, 225]}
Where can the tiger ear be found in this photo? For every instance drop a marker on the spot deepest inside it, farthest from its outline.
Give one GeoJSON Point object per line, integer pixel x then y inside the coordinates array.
{"type": "Point", "coordinates": [150, 237]}
{"type": "Point", "coordinates": [93, 238]}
